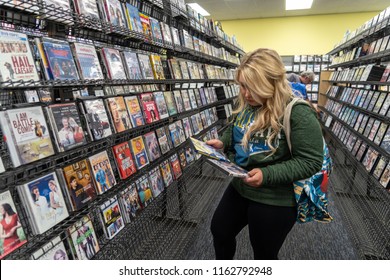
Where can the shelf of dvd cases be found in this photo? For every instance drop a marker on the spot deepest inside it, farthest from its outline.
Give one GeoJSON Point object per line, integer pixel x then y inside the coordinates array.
{"type": "Point", "coordinates": [56, 184]}
{"type": "Point", "coordinates": [355, 102]}
{"type": "Point", "coordinates": [363, 195]}
{"type": "Point", "coordinates": [370, 29]}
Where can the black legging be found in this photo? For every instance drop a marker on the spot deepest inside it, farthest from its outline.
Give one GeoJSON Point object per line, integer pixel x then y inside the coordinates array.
{"type": "Point", "coordinates": [268, 226]}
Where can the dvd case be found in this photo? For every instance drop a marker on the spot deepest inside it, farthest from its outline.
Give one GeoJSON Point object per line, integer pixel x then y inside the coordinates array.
{"type": "Point", "coordinates": [13, 234]}
{"type": "Point", "coordinates": [17, 63]}
{"type": "Point", "coordinates": [26, 134]}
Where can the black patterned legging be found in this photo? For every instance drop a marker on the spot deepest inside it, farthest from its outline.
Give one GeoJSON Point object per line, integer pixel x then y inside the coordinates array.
{"type": "Point", "coordinates": [268, 226]}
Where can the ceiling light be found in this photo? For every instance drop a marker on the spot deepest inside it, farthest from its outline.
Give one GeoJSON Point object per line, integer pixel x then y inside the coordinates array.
{"type": "Point", "coordinates": [198, 9]}
{"type": "Point", "coordinates": [298, 4]}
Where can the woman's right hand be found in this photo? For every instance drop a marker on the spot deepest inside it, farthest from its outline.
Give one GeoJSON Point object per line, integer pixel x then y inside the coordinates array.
{"type": "Point", "coordinates": [217, 144]}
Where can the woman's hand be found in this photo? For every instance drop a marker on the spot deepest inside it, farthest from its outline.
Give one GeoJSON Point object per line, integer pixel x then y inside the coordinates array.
{"type": "Point", "coordinates": [217, 144]}
{"type": "Point", "coordinates": [255, 178]}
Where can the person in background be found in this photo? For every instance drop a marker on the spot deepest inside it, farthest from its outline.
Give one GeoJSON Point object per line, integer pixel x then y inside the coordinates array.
{"type": "Point", "coordinates": [306, 77]}
{"type": "Point", "coordinates": [255, 140]}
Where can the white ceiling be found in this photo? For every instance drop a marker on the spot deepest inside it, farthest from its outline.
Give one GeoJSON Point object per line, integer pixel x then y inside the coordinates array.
{"type": "Point", "coordinates": [244, 9]}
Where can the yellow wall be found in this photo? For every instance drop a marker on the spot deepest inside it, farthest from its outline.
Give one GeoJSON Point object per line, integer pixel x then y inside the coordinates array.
{"type": "Point", "coordinates": [295, 35]}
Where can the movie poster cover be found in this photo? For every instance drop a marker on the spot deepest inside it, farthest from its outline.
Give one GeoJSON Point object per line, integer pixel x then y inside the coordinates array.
{"type": "Point", "coordinates": [102, 172]}
{"type": "Point", "coordinates": [17, 63]}
{"type": "Point", "coordinates": [10, 243]}
{"type": "Point", "coordinates": [60, 60]}
{"type": "Point", "coordinates": [135, 112]}
{"type": "Point", "coordinates": [149, 107]}
{"type": "Point", "coordinates": [130, 202]}
{"type": "Point", "coordinates": [97, 118]}
{"type": "Point", "coordinates": [88, 62]}
{"type": "Point", "coordinates": [132, 65]}
{"type": "Point", "coordinates": [112, 217]}
{"type": "Point", "coordinates": [80, 185]}
{"type": "Point", "coordinates": [133, 19]}
{"type": "Point", "coordinates": [83, 240]}
{"type": "Point", "coordinates": [139, 152]}
{"type": "Point", "coordinates": [124, 160]}
{"type": "Point", "coordinates": [65, 121]}
{"type": "Point", "coordinates": [144, 190]}
{"type": "Point", "coordinates": [53, 250]}
{"type": "Point", "coordinates": [119, 113]}
{"type": "Point", "coordinates": [27, 134]}
{"type": "Point", "coordinates": [156, 181]}
{"type": "Point", "coordinates": [44, 201]}
{"type": "Point", "coordinates": [113, 63]}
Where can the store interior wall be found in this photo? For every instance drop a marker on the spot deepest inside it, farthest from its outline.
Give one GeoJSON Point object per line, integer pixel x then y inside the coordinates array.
{"type": "Point", "coordinates": [295, 35]}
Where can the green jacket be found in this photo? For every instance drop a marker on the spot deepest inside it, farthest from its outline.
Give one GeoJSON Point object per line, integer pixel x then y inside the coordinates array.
{"type": "Point", "coordinates": [281, 169]}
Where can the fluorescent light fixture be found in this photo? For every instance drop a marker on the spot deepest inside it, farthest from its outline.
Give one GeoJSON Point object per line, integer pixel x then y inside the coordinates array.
{"type": "Point", "coordinates": [298, 4]}
{"type": "Point", "coordinates": [197, 8]}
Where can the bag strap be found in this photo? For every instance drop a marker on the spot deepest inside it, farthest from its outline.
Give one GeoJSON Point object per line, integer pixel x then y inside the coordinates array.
{"type": "Point", "coordinates": [286, 119]}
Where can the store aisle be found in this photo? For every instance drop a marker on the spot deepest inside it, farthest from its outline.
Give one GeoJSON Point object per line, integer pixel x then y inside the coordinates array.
{"type": "Point", "coordinates": [312, 241]}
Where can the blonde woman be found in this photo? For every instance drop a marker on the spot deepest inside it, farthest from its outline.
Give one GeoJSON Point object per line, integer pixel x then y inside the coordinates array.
{"type": "Point", "coordinates": [256, 141]}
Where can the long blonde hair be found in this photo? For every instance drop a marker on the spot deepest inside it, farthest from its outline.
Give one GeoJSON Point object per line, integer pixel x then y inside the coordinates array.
{"type": "Point", "coordinates": [262, 73]}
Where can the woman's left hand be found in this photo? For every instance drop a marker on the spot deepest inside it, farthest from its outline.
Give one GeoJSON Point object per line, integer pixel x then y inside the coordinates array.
{"type": "Point", "coordinates": [255, 178]}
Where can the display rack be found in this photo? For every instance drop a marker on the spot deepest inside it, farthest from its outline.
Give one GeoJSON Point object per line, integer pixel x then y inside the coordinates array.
{"type": "Point", "coordinates": [354, 105]}
{"type": "Point", "coordinates": [164, 228]}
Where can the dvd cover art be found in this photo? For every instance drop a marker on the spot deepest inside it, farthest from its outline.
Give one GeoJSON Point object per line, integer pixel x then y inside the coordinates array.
{"type": "Point", "coordinates": [88, 62]}
{"type": "Point", "coordinates": [44, 202]}
{"type": "Point", "coordinates": [230, 168]}
{"type": "Point", "coordinates": [133, 19]}
{"type": "Point", "coordinates": [175, 69]}
{"type": "Point", "coordinates": [112, 218]}
{"type": "Point", "coordinates": [132, 65]}
{"type": "Point", "coordinates": [131, 203]}
{"type": "Point", "coordinates": [166, 173]}
{"type": "Point", "coordinates": [17, 63]}
{"type": "Point", "coordinates": [102, 172]}
{"type": "Point", "coordinates": [186, 100]}
{"type": "Point", "coordinates": [53, 250]}
{"type": "Point", "coordinates": [150, 107]}
{"type": "Point", "coordinates": [13, 235]}
{"type": "Point", "coordinates": [152, 146]}
{"type": "Point", "coordinates": [166, 33]}
{"type": "Point", "coordinates": [114, 13]}
{"type": "Point", "coordinates": [162, 140]}
{"type": "Point", "coordinates": [170, 102]}
{"type": "Point", "coordinates": [187, 127]}
{"type": "Point", "coordinates": [80, 185]}
{"type": "Point", "coordinates": [178, 101]}
{"type": "Point", "coordinates": [175, 164]}
{"type": "Point", "coordinates": [139, 152]}
{"type": "Point", "coordinates": [60, 60]}
{"type": "Point", "coordinates": [97, 118]}
{"type": "Point", "coordinates": [145, 22]}
{"type": "Point", "coordinates": [27, 134]}
{"type": "Point", "coordinates": [83, 240]}
{"type": "Point", "coordinates": [114, 65]}
{"type": "Point", "coordinates": [156, 30]}
{"type": "Point", "coordinates": [157, 67]}
{"type": "Point", "coordinates": [184, 69]}
{"type": "Point", "coordinates": [156, 181]}
{"type": "Point", "coordinates": [119, 113]}
{"type": "Point", "coordinates": [161, 105]}
{"type": "Point", "coordinates": [87, 8]}
{"type": "Point", "coordinates": [146, 67]}
{"type": "Point", "coordinates": [65, 121]}
{"type": "Point", "coordinates": [190, 154]}
{"type": "Point", "coordinates": [124, 160]}
{"type": "Point", "coordinates": [144, 190]}
{"type": "Point", "coordinates": [135, 112]}
{"type": "Point", "coordinates": [182, 158]}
